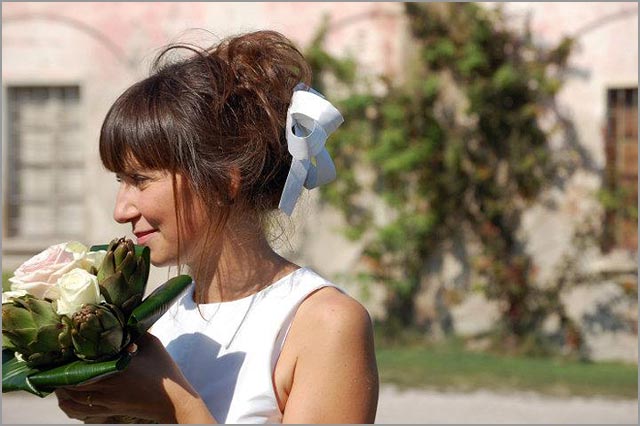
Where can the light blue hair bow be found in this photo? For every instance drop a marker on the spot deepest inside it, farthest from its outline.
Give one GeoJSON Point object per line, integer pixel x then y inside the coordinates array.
{"type": "Point", "coordinates": [310, 121]}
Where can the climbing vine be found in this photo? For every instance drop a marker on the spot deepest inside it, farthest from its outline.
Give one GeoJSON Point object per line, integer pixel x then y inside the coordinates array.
{"type": "Point", "coordinates": [455, 148]}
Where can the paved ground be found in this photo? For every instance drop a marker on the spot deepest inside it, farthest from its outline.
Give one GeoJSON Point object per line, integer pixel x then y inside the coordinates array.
{"type": "Point", "coordinates": [413, 406]}
{"type": "Point", "coordinates": [419, 406]}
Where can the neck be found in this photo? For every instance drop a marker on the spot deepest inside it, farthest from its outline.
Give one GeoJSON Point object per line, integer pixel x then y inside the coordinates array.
{"type": "Point", "coordinates": [237, 265]}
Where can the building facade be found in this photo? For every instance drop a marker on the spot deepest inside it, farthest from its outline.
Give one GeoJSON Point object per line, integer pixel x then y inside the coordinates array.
{"type": "Point", "coordinates": [65, 63]}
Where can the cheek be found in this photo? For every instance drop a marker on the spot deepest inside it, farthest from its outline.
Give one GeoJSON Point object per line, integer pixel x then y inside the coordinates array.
{"type": "Point", "coordinates": [158, 211]}
{"type": "Point", "coordinates": [193, 220]}
{"type": "Point", "coordinates": [191, 229]}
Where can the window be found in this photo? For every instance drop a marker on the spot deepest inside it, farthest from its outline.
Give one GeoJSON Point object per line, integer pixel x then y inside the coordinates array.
{"type": "Point", "coordinates": [621, 174]}
{"type": "Point", "coordinates": [45, 163]}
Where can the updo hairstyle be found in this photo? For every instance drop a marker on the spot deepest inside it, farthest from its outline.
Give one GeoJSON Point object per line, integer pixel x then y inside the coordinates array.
{"type": "Point", "coordinates": [217, 112]}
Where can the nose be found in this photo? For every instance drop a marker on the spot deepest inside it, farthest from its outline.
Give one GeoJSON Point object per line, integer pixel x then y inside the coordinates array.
{"type": "Point", "coordinates": [125, 209]}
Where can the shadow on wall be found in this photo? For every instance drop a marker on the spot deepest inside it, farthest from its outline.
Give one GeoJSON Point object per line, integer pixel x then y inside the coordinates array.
{"type": "Point", "coordinates": [607, 317]}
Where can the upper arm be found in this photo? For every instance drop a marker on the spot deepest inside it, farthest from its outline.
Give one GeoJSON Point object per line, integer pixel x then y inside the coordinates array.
{"type": "Point", "coordinates": [335, 378]}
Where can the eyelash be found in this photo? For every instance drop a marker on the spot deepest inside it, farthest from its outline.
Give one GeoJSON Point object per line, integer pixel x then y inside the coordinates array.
{"type": "Point", "coordinates": [135, 179]}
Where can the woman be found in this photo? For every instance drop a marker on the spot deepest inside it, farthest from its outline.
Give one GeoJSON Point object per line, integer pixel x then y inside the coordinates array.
{"type": "Point", "coordinates": [203, 152]}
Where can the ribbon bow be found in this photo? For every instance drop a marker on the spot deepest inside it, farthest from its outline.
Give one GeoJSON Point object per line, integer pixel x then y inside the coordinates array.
{"type": "Point", "coordinates": [310, 121]}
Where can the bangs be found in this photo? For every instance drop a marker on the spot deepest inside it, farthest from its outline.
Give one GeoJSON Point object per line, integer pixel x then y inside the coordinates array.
{"type": "Point", "coordinates": [135, 131]}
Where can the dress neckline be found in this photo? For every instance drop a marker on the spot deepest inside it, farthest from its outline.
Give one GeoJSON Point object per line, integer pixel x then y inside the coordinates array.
{"type": "Point", "coordinates": [245, 299]}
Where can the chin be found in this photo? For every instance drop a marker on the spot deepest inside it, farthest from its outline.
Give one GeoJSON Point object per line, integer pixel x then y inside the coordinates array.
{"type": "Point", "coordinates": [163, 262]}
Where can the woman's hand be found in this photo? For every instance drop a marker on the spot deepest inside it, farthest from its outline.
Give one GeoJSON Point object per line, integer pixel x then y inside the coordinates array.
{"type": "Point", "coordinates": [151, 388]}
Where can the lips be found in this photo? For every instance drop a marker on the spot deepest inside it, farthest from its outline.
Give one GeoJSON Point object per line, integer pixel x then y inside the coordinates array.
{"type": "Point", "coordinates": [144, 236]}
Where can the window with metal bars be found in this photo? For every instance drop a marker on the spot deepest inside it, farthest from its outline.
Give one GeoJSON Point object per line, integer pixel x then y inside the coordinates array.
{"type": "Point", "coordinates": [621, 173]}
{"type": "Point", "coordinates": [45, 188]}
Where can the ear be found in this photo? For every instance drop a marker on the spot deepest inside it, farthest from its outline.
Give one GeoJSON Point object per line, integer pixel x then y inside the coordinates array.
{"type": "Point", "coordinates": [236, 180]}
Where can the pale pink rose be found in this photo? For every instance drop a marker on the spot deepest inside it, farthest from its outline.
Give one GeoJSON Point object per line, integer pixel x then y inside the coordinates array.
{"type": "Point", "coordinates": [38, 275]}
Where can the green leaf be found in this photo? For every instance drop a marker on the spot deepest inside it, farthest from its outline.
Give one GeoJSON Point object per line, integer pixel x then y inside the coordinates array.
{"type": "Point", "coordinates": [505, 77]}
{"type": "Point", "coordinates": [430, 87]}
{"type": "Point", "coordinates": [403, 161]}
{"type": "Point", "coordinates": [155, 305]}
{"type": "Point", "coordinates": [77, 372]}
{"type": "Point", "coordinates": [440, 51]}
{"type": "Point", "coordinates": [473, 60]}
{"type": "Point", "coordinates": [15, 373]}
{"type": "Point", "coordinates": [17, 376]}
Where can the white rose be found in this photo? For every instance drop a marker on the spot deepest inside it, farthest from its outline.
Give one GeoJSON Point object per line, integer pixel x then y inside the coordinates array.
{"type": "Point", "coordinates": [38, 275]}
{"type": "Point", "coordinates": [92, 258]}
{"type": "Point", "coordinates": [76, 288]}
{"type": "Point", "coordinates": [8, 295]}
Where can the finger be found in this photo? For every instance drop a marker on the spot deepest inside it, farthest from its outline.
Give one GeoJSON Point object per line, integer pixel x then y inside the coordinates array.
{"type": "Point", "coordinates": [81, 411]}
{"type": "Point", "coordinates": [81, 397]}
{"type": "Point", "coordinates": [92, 385]}
{"type": "Point", "coordinates": [132, 349]}
{"type": "Point", "coordinates": [148, 339]}
{"type": "Point", "coordinates": [72, 409]}
{"type": "Point", "coordinates": [95, 384]}
{"type": "Point", "coordinates": [99, 420]}
{"type": "Point", "coordinates": [89, 386]}
{"type": "Point", "coordinates": [61, 393]}
{"type": "Point", "coordinates": [75, 397]}
{"type": "Point", "coordinates": [94, 420]}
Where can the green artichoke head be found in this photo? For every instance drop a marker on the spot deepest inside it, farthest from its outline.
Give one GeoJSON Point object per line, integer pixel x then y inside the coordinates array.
{"type": "Point", "coordinates": [31, 327]}
{"type": "Point", "coordinates": [98, 332]}
{"type": "Point", "coordinates": [123, 274]}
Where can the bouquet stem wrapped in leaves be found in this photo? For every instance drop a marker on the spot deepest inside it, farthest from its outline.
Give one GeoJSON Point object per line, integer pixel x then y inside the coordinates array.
{"type": "Point", "coordinates": [71, 312]}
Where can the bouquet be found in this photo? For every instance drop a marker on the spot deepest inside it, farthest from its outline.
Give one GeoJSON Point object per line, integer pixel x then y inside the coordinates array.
{"type": "Point", "coordinates": [72, 311]}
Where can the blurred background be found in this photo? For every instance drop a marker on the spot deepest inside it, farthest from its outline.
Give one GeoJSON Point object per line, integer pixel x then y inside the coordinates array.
{"type": "Point", "coordinates": [485, 209]}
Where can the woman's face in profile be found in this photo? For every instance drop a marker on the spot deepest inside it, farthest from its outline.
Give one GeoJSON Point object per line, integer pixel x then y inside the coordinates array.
{"type": "Point", "coordinates": [146, 200]}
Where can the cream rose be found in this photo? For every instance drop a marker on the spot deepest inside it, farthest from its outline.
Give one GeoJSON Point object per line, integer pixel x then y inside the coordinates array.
{"type": "Point", "coordinates": [38, 276]}
{"type": "Point", "coordinates": [76, 288]}
{"type": "Point", "coordinates": [8, 295]}
{"type": "Point", "coordinates": [91, 258]}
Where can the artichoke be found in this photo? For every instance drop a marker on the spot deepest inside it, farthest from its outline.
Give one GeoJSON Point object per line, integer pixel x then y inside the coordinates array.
{"type": "Point", "coordinates": [98, 332]}
{"type": "Point", "coordinates": [122, 276]}
{"type": "Point", "coordinates": [31, 327]}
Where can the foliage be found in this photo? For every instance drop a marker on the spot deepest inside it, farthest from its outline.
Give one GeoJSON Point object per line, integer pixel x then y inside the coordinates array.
{"type": "Point", "coordinates": [454, 148]}
{"type": "Point", "coordinates": [449, 366]}
{"type": "Point", "coordinates": [6, 285]}
{"type": "Point", "coordinates": [618, 200]}
{"type": "Point", "coordinates": [621, 205]}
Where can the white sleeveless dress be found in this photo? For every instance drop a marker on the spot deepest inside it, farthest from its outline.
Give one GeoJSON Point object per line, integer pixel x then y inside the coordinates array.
{"type": "Point", "coordinates": [228, 351]}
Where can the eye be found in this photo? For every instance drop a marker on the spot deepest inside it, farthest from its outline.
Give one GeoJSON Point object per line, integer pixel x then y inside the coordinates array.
{"type": "Point", "coordinates": [132, 179]}
{"type": "Point", "coordinates": [139, 179]}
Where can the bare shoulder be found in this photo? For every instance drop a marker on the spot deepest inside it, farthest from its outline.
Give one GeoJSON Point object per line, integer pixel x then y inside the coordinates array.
{"type": "Point", "coordinates": [340, 314]}
{"type": "Point", "coordinates": [335, 377]}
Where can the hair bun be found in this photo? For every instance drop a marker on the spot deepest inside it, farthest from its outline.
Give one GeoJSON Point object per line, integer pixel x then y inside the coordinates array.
{"type": "Point", "coordinates": [266, 67]}
{"type": "Point", "coordinates": [215, 114]}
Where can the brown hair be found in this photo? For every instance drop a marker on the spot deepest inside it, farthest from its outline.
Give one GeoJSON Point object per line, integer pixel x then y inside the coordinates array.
{"type": "Point", "coordinates": [220, 111]}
